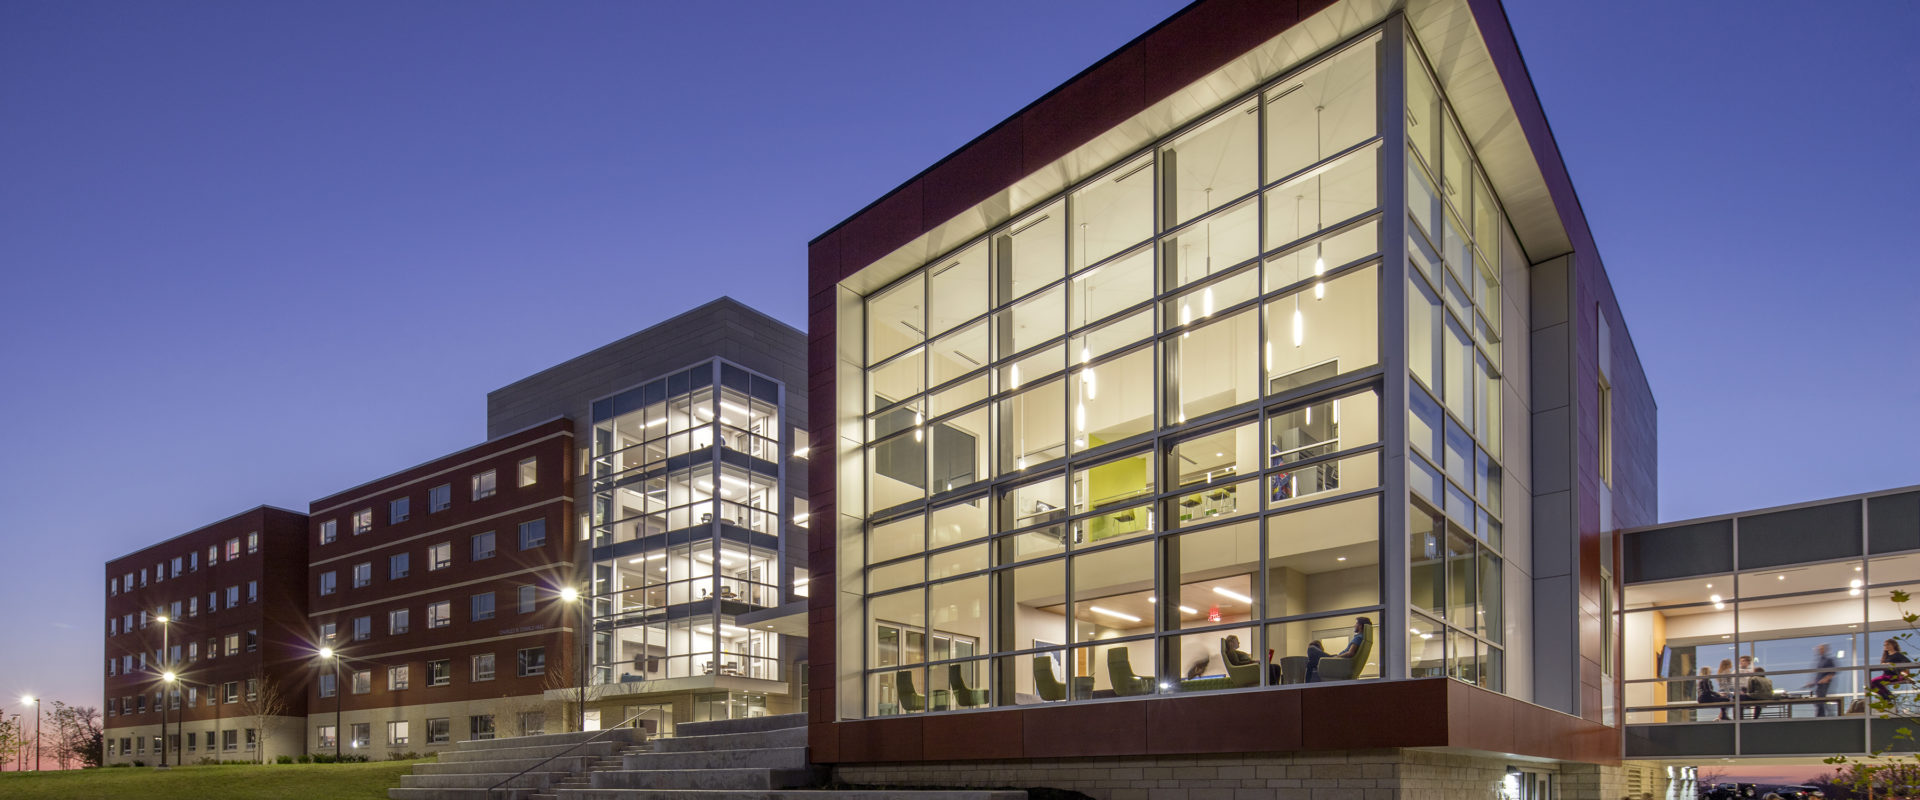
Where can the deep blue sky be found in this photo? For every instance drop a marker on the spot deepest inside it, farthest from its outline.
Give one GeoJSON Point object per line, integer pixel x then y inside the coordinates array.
{"type": "Point", "coordinates": [257, 253]}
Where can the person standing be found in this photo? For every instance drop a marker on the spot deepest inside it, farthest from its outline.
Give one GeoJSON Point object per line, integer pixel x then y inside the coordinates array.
{"type": "Point", "coordinates": [1822, 680]}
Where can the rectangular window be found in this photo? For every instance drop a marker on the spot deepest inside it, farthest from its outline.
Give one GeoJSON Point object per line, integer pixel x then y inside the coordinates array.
{"type": "Point", "coordinates": [527, 594]}
{"type": "Point", "coordinates": [480, 726]}
{"type": "Point", "coordinates": [213, 601]}
{"type": "Point", "coordinates": [233, 644]}
{"type": "Point", "coordinates": [439, 556]}
{"type": "Point", "coordinates": [533, 661]}
{"type": "Point", "coordinates": [439, 498]}
{"type": "Point", "coordinates": [329, 531]}
{"type": "Point", "coordinates": [396, 678]}
{"type": "Point", "coordinates": [113, 586]}
{"type": "Point", "coordinates": [529, 471]}
{"type": "Point", "coordinates": [253, 689]}
{"type": "Point", "coordinates": [327, 631]}
{"type": "Point", "coordinates": [483, 485]}
{"type": "Point", "coordinates": [193, 606]}
{"type": "Point", "coordinates": [397, 621]}
{"type": "Point", "coordinates": [437, 731]}
{"type": "Point", "coordinates": [253, 546]}
{"type": "Point", "coordinates": [180, 565]}
{"type": "Point", "coordinates": [193, 561]}
{"type": "Point", "coordinates": [362, 681]}
{"type": "Point", "coordinates": [1606, 431]}
{"type": "Point", "coordinates": [440, 615]}
{"type": "Point", "coordinates": [397, 733]}
{"type": "Point", "coordinates": [253, 591]}
{"type": "Point", "coordinates": [483, 606]}
{"type": "Point", "coordinates": [326, 733]}
{"type": "Point", "coordinates": [396, 566]}
{"type": "Point", "coordinates": [327, 584]}
{"type": "Point", "coordinates": [253, 642]}
{"type": "Point", "coordinates": [232, 691]}
{"type": "Point", "coordinates": [398, 510]}
{"type": "Point", "coordinates": [326, 684]}
{"type": "Point", "coordinates": [439, 673]}
{"type": "Point", "coordinates": [233, 596]}
{"type": "Point", "coordinates": [363, 574]}
{"type": "Point", "coordinates": [233, 548]}
{"type": "Point", "coordinates": [362, 521]}
{"type": "Point", "coordinates": [362, 628]}
{"type": "Point", "coordinates": [533, 533]}
{"type": "Point", "coordinates": [356, 734]}
{"type": "Point", "coordinates": [483, 667]}
{"type": "Point", "coordinates": [482, 546]}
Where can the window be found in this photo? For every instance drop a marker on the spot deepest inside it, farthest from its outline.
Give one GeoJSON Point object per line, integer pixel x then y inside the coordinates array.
{"type": "Point", "coordinates": [193, 606]}
{"type": "Point", "coordinates": [213, 555]}
{"type": "Point", "coordinates": [113, 627]}
{"type": "Point", "coordinates": [483, 667]}
{"type": "Point", "coordinates": [113, 586]}
{"type": "Point", "coordinates": [230, 739]}
{"type": "Point", "coordinates": [326, 735]}
{"type": "Point", "coordinates": [253, 642]}
{"type": "Point", "coordinates": [439, 498]}
{"type": "Point", "coordinates": [362, 681]}
{"type": "Point", "coordinates": [329, 531]}
{"type": "Point", "coordinates": [327, 631]}
{"type": "Point", "coordinates": [253, 689]}
{"type": "Point", "coordinates": [527, 594]}
{"type": "Point", "coordinates": [180, 564]}
{"type": "Point", "coordinates": [356, 734]}
{"type": "Point", "coordinates": [213, 600]}
{"type": "Point", "coordinates": [326, 684]}
{"type": "Point", "coordinates": [1606, 431]}
{"type": "Point", "coordinates": [396, 621]}
{"type": "Point", "coordinates": [398, 510]}
{"type": "Point", "coordinates": [233, 595]}
{"type": "Point", "coordinates": [233, 548]}
{"type": "Point", "coordinates": [362, 521]}
{"type": "Point", "coordinates": [193, 561]}
{"type": "Point", "coordinates": [439, 673]}
{"type": "Point", "coordinates": [483, 606]}
{"type": "Point", "coordinates": [253, 546]}
{"type": "Point", "coordinates": [533, 723]}
{"type": "Point", "coordinates": [396, 678]}
{"type": "Point", "coordinates": [327, 585]}
{"type": "Point", "coordinates": [396, 566]}
{"type": "Point", "coordinates": [439, 615]}
{"type": "Point", "coordinates": [253, 591]}
{"type": "Point", "coordinates": [439, 556]}
{"type": "Point", "coordinates": [233, 644]}
{"type": "Point", "coordinates": [483, 546]}
{"type": "Point", "coordinates": [483, 485]}
{"type": "Point", "coordinates": [362, 628]}
{"type": "Point", "coordinates": [529, 471]}
{"type": "Point", "coordinates": [533, 533]}
{"type": "Point", "coordinates": [397, 732]}
{"type": "Point", "coordinates": [533, 661]}
{"type": "Point", "coordinates": [480, 726]}
{"type": "Point", "coordinates": [362, 574]}
{"type": "Point", "coordinates": [437, 731]}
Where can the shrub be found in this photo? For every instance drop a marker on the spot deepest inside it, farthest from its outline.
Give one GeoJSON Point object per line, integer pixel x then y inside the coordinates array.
{"type": "Point", "coordinates": [305, 759]}
{"type": "Point", "coordinates": [283, 759]}
{"type": "Point", "coordinates": [139, 763]}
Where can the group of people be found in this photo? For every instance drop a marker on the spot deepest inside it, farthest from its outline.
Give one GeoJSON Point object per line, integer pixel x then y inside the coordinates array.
{"type": "Point", "coordinates": [1724, 687]}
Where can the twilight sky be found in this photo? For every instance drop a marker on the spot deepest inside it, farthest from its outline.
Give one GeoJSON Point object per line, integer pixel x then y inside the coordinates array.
{"type": "Point", "coordinates": [257, 253]}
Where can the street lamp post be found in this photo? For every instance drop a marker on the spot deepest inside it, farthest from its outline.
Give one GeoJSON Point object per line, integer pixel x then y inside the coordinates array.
{"type": "Point", "coordinates": [328, 654]}
{"type": "Point", "coordinates": [571, 595]}
{"type": "Point", "coordinates": [166, 688]}
{"type": "Point", "coordinates": [36, 729]}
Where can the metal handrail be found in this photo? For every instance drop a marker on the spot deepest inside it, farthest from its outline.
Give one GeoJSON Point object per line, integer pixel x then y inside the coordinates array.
{"type": "Point", "coordinates": [562, 754]}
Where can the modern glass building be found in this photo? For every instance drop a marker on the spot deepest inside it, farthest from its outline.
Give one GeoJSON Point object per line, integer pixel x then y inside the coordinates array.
{"type": "Point", "coordinates": [1267, 360]}
{"type": "Point", "coordinates": [690, 507]}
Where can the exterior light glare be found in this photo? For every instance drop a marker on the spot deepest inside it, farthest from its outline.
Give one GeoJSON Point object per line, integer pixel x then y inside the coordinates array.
{"type": "Point", "coordinates": [569, 594]}
{"type": "Point", "coordinates": [326, 652]}
{"type": "Point", "coordinates": [169, 677]}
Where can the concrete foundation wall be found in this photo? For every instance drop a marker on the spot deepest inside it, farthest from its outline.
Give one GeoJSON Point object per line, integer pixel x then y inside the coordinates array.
{"type": "Point", "coordinates": [282, 738]}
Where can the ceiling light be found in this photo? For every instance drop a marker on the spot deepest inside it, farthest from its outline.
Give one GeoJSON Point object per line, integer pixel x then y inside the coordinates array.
{"type": "Point", "coordinates": [1783, 576]}
{"type": "Point", "coordinates": [1856, 583]}
{"type": "Point", "coordinates": [1341, 558]}
{"type": "Point", "coordinates": [1226, 592]}
{"type": "Point", "coordinates": [1714, 598]}
{"type": "Point", "coordinates": [1114, 614]}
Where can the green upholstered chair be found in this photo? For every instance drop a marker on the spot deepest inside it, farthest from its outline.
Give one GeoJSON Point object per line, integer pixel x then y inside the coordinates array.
{"type": "Point", "coordinates": [1240, 675]}
{"type": "Point", "coordinates": [1335, 668]}
{"type": "Point", "coordinates": [1045, 682]}
{"type": "Point", "coordinates": [1125, 683]}
{"type": "Point", "coordinates": [910, 700]}
{"type": "Point", "coordinates": [957, 682]}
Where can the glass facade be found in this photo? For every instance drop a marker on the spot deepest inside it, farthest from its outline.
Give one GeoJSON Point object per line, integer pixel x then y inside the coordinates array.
{"type": "Point", "coordinates": [1130, 443]}
{"type": "Point", "coordinates": [689, 508]}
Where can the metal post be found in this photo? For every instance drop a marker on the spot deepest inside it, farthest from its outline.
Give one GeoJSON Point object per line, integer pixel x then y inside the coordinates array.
{"type": "Point", "coordinates": [337, 691]}
{"type": "Point", "coordinates": [166, 688]}
{"type": "Point", "coordinates": [36, 734]}
{"type": "Point", "coordinates": [586, 652]}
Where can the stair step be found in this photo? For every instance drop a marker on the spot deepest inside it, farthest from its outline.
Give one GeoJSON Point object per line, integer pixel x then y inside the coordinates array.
{"type": "Point", "coordinates": [733, 794]}
{"type": "Point", "coordinates": [459, 794]}
{"type": "Point", "coordinates": [749, 740]}
{"type": "Point", "coordinates": [767, 758]}
{"type": "Point", "coordinates": [764, 779]}
{"type": "Point", "coordinates": [567, 764]}
{"type": "Point", "coordinates": [533, 751]}
{"type": "Point", "coordinates": [744, 725]}
{"type": "Point", "coordinates": [481, 780]}
{"type": "Point", "coordinates": [620, 735]}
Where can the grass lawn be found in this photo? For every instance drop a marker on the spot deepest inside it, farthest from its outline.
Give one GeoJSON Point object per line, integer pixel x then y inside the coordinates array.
{"type": "Point", "coordinates": [368, 781]}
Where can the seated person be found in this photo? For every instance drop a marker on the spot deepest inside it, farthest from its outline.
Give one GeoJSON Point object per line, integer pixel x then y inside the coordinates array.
{"type": "Point", "coordinates": [1707, 693]}
{"type": "Point", "coordinates": [1759, 689]}
{"type": "Point", "coordinates": [1315, 653]}
{"type": "Point", "coordinates": [1237, 657]}
{"type": "Point", "coordinates": [1890, 655]}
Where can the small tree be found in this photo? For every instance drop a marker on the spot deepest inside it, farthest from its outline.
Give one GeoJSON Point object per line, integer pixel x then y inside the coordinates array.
{"type": "Point", "coordinates": [77, 735]}
{"type": "Point", "coordinates": [1895, 775]}
{"type": "Point", "coordinates": [9, 739]}
{"type": "Point", "coordinates": [263, 702]}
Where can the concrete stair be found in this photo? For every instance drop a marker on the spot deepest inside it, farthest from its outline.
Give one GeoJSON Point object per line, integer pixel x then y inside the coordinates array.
{"type": "Point", "coordinates": [528, 766]}
{"type": "Point", "coordinates": [759, 758]}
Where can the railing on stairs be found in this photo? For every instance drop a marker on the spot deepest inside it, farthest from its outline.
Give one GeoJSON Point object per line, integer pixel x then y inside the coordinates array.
{"type": "Point", "coordinates": [563, 754]}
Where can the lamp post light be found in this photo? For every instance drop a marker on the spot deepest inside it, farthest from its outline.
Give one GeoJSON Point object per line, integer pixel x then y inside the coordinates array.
{"type": "Point", "coordinates": [571, 596]}
{"type": "Point", "coordinates": [327, 654]}
{"type": "Point", "coordinates": [166, 687]}
{"type": "Point", "coordinates": [36, 729]}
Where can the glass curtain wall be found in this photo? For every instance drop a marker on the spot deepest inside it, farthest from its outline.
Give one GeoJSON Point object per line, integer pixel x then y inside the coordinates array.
{"type": "Point", "coordinates": [687, 494]}
{"type": "Point", "coordinates": [1129, 443]}
{"type": "Point", "coordinates": [1453, 417]}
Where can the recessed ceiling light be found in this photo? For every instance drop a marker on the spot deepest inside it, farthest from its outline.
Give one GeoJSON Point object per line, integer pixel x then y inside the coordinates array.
{"type": "Point", "coordinates": [1341, 558]}
{"type": "Point", "coordinates": [1226, 592]}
